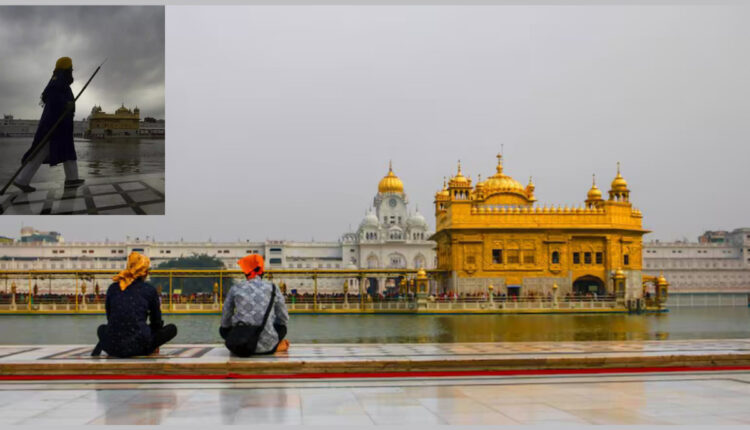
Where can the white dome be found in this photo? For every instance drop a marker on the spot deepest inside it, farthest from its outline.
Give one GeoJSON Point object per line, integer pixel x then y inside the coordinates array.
{"type": "Point", "coordinates": [370, 220]}
{"type": "Point", "coordinates": [416, 220]}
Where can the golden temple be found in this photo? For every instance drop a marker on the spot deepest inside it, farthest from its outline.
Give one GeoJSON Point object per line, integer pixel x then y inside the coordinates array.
{"type": "Point", "coordinates": [493, 235]}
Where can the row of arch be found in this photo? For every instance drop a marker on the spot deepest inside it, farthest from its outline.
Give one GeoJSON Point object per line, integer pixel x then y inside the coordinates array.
{"type": "Point", "coordinates": [395, 261]}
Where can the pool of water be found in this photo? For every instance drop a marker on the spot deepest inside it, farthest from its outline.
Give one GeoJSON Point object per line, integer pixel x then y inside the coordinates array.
{"type": "Point", "coordinates": [685, 323]}
{"type": "Point", "coordinates": [96, 158]}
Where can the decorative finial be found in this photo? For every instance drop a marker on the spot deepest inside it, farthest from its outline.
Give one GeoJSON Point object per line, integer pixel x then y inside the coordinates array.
{"type": "Point", "coordinates": [459, 167]}
{"type": "Point", "coordinates": [390, 166]}
{"type": "Point", "coordinates": [618, 167]}
{"type": "Point", "coordinates": [445, 182]}
{"type": "Point", "coordinates": [502, 146]}
{"type": "Point", "coordinates": [593, 179]}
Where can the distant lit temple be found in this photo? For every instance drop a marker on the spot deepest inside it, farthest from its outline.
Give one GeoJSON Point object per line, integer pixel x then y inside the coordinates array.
{"type": "Point", "coordinates": [123, 122]}
{"type": "Point", "coordinates": [494, 233]}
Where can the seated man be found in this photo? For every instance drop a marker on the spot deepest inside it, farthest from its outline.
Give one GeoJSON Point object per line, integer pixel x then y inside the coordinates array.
{"type": "Point", "coordinates": [255, 317]}
{"type": "Point", "coordinates": [130, 301]}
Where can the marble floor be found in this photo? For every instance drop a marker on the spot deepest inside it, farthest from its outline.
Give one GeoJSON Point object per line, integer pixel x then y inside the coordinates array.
{"type": "Point", "coordinates": [695, 398]}
{"type": "Point", "coordinates": [196, 354]}
{"type": "Point", "coordinates": [121, 195]}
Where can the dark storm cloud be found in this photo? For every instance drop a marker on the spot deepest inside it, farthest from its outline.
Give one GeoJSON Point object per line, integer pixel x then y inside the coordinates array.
{"type": "Point", "coordinates": [130, 37]}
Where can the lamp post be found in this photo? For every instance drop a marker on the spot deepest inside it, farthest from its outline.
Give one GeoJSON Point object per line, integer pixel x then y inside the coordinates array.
{"type": "Point", "coordinates": [554, 294]}
{"type": "Point", "coordinates": [619, 278]}
{"type": "Point", "coordinates": [421, 283]}
{"type": "Point", "coordinates": [346, 293]}
{"type": "Point", "coordinates": [83, 295]}
{"type": "Point", "coordinates": [13, 289]}
{"type": "Point", "coordinates": [490, 288]}
{"type": "Point", "coordinates": [662, 287]}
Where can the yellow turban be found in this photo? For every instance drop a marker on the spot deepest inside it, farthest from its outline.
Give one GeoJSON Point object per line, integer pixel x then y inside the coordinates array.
{"type": "Point", "coordinates": [138, 267]}
{"type": "Point", "coordinates": [64, 63]}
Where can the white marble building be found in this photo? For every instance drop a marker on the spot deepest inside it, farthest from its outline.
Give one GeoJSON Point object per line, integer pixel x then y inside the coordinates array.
{"type": "Point", "coordinates": [717, 263]}
{"type": "Point", "coordinates": [388, 237]}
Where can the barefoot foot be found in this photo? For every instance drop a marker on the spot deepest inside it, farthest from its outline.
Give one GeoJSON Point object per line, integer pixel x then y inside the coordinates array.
{"type": "Point", "coordinates": [283, 346]}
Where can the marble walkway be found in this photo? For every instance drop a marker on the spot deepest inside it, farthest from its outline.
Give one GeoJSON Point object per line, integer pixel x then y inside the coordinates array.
{"type": "Point", "coordinates": [121, 195]}
{"type": "Point", "coordinates": [215, 360]}
{"type": "Point", "coordinates": [695, 398]}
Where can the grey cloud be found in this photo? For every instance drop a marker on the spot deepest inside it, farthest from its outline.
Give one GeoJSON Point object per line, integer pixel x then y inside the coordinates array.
{"type": "Point", "coordinates": [131, 37]}
{"type": "Point", "coordinates": [310, 103]}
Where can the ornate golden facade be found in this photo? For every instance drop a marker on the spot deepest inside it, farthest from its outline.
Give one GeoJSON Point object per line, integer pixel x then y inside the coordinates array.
{"type": "Point", "coordinates": [123, 122]}
{"type": "Point", "coordinates": [494, 233]}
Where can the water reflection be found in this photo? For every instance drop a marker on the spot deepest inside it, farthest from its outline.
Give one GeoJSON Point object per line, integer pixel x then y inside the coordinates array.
{"type": "Point", "coordinates": [686, 323]}
{"type": "Point", "coordinates": [96, 158]}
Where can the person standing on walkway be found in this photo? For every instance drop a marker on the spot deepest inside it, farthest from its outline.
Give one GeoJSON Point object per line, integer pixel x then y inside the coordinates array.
{"type": "Point", "coordinates": [130, 301]}
{"type": "Point", "coordinates": [58, 101]}
{"type": "Point", "coordinates": [255, 318]}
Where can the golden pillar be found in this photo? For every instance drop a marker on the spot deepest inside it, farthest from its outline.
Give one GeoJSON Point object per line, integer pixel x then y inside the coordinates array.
{"type": "Point", "coordinates": [619, 279]}
{"type": "Point", "coordinates": [662, 287]}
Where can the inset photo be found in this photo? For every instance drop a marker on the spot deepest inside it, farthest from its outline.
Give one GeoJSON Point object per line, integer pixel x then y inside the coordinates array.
{"type": "Point", "coordinates": [82, 103]}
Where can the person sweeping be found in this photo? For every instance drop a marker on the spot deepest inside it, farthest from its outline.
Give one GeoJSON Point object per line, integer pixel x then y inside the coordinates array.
{"type": "Point", "coordinates": [255, 318]}
{"type": "Point", "coordinates": [59, 103]}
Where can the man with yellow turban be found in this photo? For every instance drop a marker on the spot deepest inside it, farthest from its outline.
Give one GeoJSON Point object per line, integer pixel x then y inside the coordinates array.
{"type": "Point", "coordinates": [130, 301]}
{"type": "Point", "coordinates": [58, 101]}
{"type": "Point", "coordinates": [255, 318]}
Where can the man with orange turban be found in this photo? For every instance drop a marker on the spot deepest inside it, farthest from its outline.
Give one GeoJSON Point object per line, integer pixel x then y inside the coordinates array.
{"type": "Point", "coordinates": [130, 300]}
{"type": "Point", "coordinates": [59, 103]}
{"type": "Point", "coordinates": [255, 317]}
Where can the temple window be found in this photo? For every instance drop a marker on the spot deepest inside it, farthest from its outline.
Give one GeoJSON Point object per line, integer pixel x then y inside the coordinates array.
{"type": "Point", "coordinates": [599, 258]}
{"type": "Point", "coordinates": [555, 257]}
{"type": "Point", "coordinates": [587, 257]}
{"type": "Point", "coordinates": [529, 259]}
{"type": "Point", "coordinates": [513, 256]}
{"type": "Point", "coordinates": [626, 259]}
{"type": "Point", "coordinates": [497, 256]}
{"type": "Point", "coordinates": [576, 258]}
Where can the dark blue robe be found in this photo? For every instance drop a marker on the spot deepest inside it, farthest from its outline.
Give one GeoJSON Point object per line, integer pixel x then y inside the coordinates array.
{"type": "Point", "coordinates": [55, 97]}
{"type": "Point", "coordinates": [127, 332]}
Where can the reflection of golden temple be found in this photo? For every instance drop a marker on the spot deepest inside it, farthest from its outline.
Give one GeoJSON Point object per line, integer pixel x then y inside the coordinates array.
{"type": "Point", "coordinates": [492, 233]}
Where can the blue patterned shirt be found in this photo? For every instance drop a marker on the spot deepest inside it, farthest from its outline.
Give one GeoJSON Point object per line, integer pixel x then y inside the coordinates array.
{"type": "Point", "coordinates": [247, 301]}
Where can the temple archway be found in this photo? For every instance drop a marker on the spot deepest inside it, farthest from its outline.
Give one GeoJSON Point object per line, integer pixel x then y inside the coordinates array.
{"type": "Point", "coordinates": [589, 284]}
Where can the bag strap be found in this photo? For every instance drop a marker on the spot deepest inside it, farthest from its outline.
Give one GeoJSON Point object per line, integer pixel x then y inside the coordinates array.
{"type": "Point", "coordinates": [268, 309]}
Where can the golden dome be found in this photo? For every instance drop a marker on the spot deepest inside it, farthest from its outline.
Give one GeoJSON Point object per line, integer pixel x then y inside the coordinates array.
{"type": "Point", "coordinates": [390, 182]}
{"type": "Point", "coordinates": [619, 183]}
{"type": "Point", "coordinates": [443, 194]}
{"type": "Point", "coordinates": [662, 281]}
{"type": "Point", "coordinates": [594, 193]}
{"type": "Point", "coordinates": [460, 180]}
{"type": "Point", "coordinates": [500, 182]}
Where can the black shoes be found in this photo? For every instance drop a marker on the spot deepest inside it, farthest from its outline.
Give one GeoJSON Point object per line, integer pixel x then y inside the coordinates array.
{"type": "Point", "coordinates": [74, 183]}
{"type": "Point", "coordinates": [97, 350]}
{"type": "Point", "coordinates": [25, 188]}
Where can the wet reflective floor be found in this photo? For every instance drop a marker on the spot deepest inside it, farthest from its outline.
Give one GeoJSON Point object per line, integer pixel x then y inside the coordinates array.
{"type": "Point", "coordinates": [677, 324]}
{"type": "Point", "coordinates": [655, 398]}
{"type": "Point", "coordinates": [96, 158]}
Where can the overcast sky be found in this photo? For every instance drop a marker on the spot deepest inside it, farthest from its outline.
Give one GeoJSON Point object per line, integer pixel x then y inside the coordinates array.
{"type": "Point", "coordinates": [132, 38]}
{"type": "Point", "coordinates": [282, 120]}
